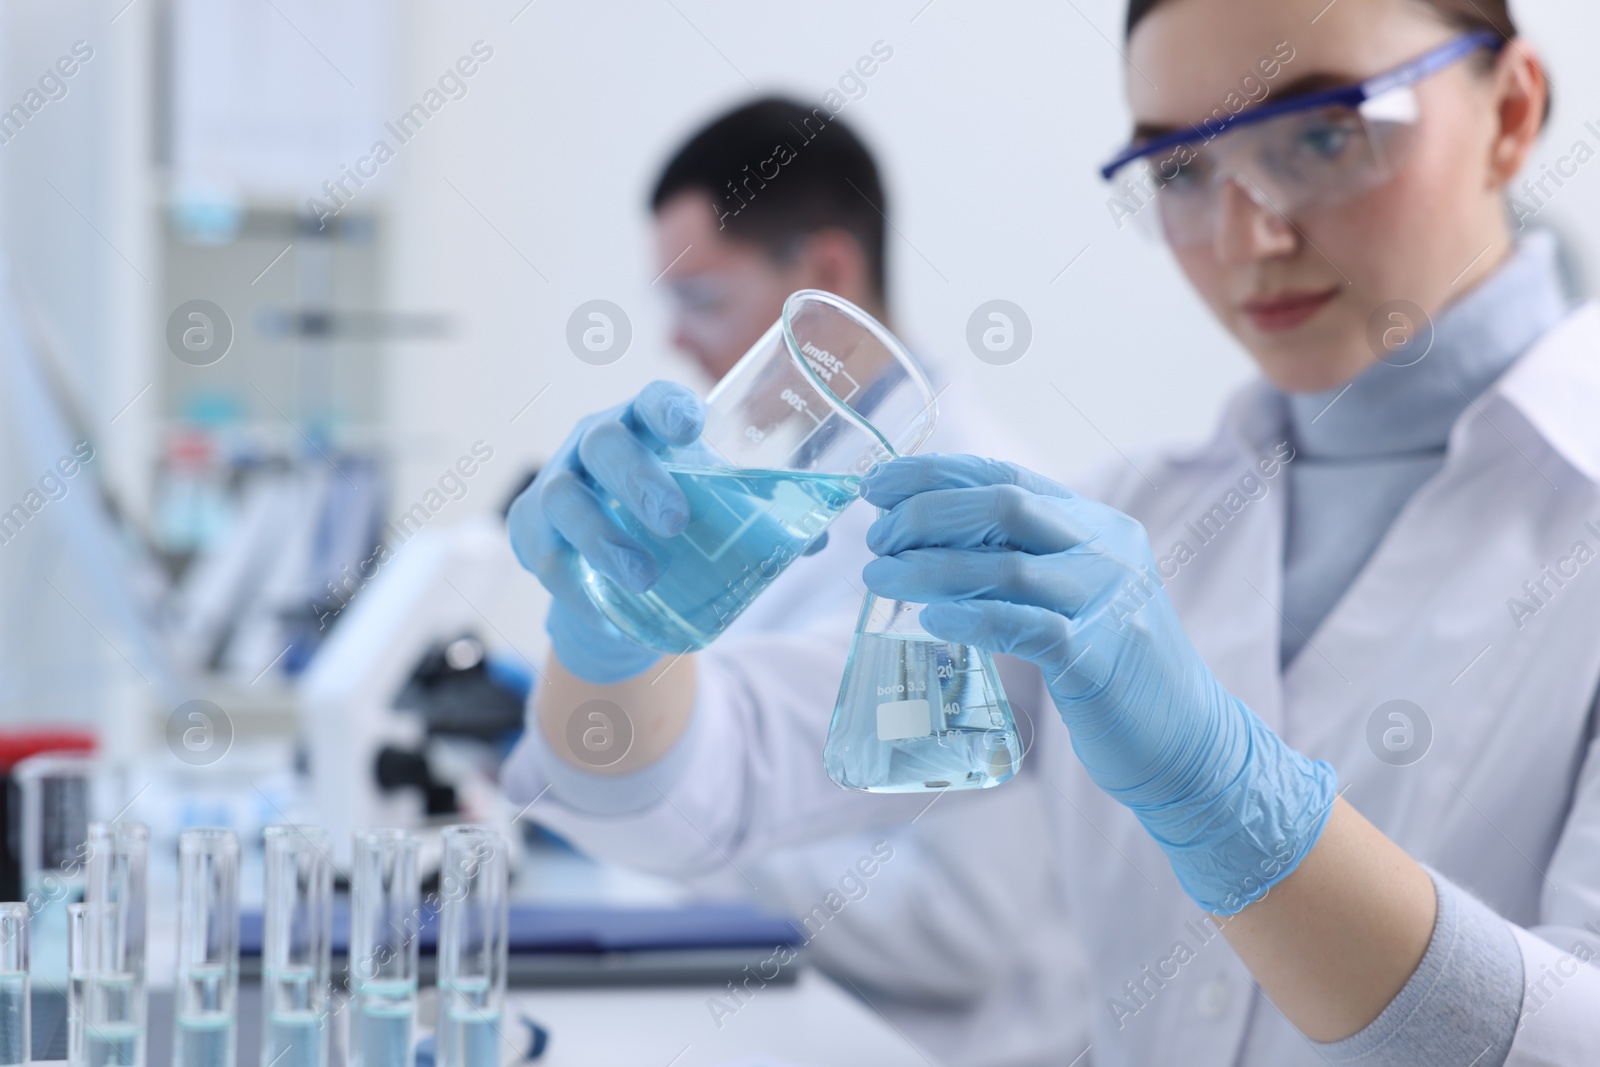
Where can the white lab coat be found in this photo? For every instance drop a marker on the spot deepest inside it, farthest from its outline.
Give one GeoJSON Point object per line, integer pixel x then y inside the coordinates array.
{"type": "Point", "coordinates": [1505, 801]}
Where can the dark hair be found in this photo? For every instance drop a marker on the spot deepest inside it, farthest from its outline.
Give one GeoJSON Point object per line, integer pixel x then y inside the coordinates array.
{"type": "Point", "coordinates": [777, 171]}
{"type": "Point", "coordinates": [1466, 14]}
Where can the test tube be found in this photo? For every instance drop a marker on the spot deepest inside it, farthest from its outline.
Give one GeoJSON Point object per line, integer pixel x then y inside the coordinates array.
{"type": "Point", "coordinates": [473, 945]}
{"type": "Point", "coordinates": [95, 1035]}
{"type": "Point", "coordinates": [296, 947]}
{"type": "Point", "coordinates": [55, 790]}
{"type": "Point", "coordinates": [77, 981]}
{"type": "Point", "coordinates": [385, 918]}
{"type": "Point", "coordinates": [207, 994]}
{"type": "Point", "coordinates": [119, 855]}
{"type": "Point", "coordinates": [15, 1037]}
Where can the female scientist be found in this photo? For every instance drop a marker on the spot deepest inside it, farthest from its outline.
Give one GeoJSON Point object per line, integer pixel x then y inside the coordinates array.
{"type": "Point", "coordinates": [1337, 667]}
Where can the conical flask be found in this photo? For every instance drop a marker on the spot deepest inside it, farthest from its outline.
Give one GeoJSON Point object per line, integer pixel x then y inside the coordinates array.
{"type": "Point", "coordinates": [917, 714]}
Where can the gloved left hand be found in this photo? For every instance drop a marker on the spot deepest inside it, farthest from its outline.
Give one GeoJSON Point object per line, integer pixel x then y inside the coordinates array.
{"type": "Point", "coordinates": [1012, 562]}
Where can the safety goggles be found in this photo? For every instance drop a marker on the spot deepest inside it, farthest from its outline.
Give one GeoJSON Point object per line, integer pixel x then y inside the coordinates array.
{"type": "Point", "coordinates": [712, 310]}
{"type": "Point", "coordinates": [1290, 157]}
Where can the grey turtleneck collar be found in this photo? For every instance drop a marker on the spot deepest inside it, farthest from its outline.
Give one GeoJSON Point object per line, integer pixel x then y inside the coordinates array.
{"type": "Point", "coordinates": [1364, 448]}
{"type": "Point", "coordinates": [1390, 410]}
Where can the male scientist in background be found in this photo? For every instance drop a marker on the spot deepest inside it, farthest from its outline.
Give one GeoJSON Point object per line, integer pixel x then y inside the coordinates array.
{"type": "Point", "coordinates": [949, 926]}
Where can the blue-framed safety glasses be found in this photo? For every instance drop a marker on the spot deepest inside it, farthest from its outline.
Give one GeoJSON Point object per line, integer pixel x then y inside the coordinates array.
{"type": "Point", "coordinates": [1290, 156]}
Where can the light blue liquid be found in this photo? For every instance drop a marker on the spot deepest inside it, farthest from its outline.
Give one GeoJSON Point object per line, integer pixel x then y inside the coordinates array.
{"type": "Point", "coordinates": [477, 1040]}
{"type": "Point", "coordinates": [204, 1040]}
{"type": "Point", "coordinates": [14, 1017]}
{"type": "Point", "coordinates": [77, 1005]}
{"type": "Point", "coordinates": [745, 527]}
{"type": "Point", "coordinates": [113, 1028]}
{"type": "Point", "coordinates": [294, 1039]}
{"type": "Point", "coordinates": [118, 998]}
{"type": "Point", "coordinates": [918, 714]}
{"type": "Point", "coordinates": [385, 1015]}
{"type": "Point", "coordinates": [296, 1033]}
{"type": "Point", "coordinates": [469, 1026]}
{"type": "Point", "coordinates": [111, 1044]}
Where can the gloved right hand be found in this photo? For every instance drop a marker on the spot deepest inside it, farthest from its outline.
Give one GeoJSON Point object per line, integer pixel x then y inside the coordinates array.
{"type": "Point", "coordinates": [560, 517]}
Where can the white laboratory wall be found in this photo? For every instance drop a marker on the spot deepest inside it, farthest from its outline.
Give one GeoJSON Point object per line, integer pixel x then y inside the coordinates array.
{"type": "Point", "coordinates": [78, 237]}
{"type": "Point", "coordinates": [526, 198]}
{"type": "Point", "coordinates": [77, 225]}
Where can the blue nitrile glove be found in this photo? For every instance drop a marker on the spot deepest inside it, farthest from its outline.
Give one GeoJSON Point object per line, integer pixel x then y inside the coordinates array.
{"type": "Point", "coordinates": [1012, 562]}
{"type": "Point", "coordinates": [560, 517]}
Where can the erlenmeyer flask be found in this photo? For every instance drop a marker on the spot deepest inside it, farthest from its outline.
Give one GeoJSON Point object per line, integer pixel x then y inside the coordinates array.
{"type": "Point", "coordinates": [916, 713]}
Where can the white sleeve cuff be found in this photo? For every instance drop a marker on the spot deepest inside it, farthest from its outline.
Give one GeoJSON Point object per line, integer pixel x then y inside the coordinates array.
{"type": "Point", "coordinates": [1560, 1023]}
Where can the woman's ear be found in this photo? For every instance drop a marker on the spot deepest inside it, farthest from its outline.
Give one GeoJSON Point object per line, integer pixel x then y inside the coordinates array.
{"type": "Point", "coordinates": [1521, 95]}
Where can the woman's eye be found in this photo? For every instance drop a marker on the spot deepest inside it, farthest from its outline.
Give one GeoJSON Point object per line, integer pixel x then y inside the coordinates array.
{"type": "Point", "coordinates": [1325, 141]}
{"type": "Point", "coordinates": [1190, 175]}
